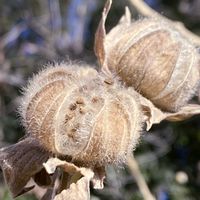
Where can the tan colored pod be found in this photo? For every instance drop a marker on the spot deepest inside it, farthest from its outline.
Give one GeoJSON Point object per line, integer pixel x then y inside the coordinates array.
{"type": "Point", "coordinates": [42, 96]}
{"type": "Point", "coordinates": [73, 111]}
{"type": "Point", "coordinates": [153, 58]}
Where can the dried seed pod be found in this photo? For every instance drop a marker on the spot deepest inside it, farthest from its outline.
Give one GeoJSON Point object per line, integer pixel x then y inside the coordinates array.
{"type": "Point", "coordinates": [74, 111]}
{"type": "Point", "coordinates": [152, 57]}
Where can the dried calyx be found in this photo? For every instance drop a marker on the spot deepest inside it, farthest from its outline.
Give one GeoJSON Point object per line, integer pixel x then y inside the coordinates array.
{"type": "Point", "coordinates": [152, 57]}
{"type": "Point", "coordinates": [73, 111]}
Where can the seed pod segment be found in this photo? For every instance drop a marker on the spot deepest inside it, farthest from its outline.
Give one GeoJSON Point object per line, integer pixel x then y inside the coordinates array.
{"type": "Point", "coordinates": [152, 57]}
{"type": "Point", "coordinates": [74, 111]}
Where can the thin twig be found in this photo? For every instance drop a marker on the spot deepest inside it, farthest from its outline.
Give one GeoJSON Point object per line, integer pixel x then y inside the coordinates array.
{"type": "Point", "coordinates": [147, 11]}
{"type": "Point", "coordinates": [142, 185]}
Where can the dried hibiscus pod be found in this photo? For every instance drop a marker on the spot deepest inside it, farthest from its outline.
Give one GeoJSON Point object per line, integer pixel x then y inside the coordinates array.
{"type": "Point", "coordinates": [74, 111]}
{"type": "Point", "coordinates": [152, 57]}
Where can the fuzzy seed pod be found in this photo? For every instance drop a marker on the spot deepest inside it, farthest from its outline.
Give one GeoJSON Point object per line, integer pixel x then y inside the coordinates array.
{"type": "Point", "coordinates": [152, 57]}
{"type": "Point", "coordinates": [73, 111]}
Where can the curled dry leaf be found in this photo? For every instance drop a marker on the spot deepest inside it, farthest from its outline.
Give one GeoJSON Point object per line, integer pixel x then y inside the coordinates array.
{"type": "Point", "coordinates": [99, 47]}
{"type": "Point", "coordinates": [78, 179]}
{"type": "Point", "coordinates": [153, 115]}
{"type": "Point", "coordinates": [20, 162]}
{"type": "Point", "coordinates": [184, 113]}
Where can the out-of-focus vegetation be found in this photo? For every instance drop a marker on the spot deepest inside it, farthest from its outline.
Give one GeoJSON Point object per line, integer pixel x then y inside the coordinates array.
{"type": "Point", "coordinates": [33, 33]}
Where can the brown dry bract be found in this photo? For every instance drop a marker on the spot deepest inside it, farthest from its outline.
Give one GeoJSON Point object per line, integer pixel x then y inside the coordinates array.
{"type": "Point", "coordinates": [79, 182]}
{"type": "Point", "coordinates": [20, 162]}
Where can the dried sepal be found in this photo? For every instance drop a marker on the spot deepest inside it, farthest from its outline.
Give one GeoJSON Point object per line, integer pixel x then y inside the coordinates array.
{"type": "Point", "coordinates": [102, 39]}
{"type": "Point", "coordinates": [184, 113]}
{"type": "Point", "coordinates": [99, 47]}
{"type": "Point", "coordinates": [153, 115]}
{"type": "Point", "coordinates": [20, 162]}
{"type": "Point", "coordinates": [101, 33]}
{"type": "Point", "coordinates": [80, 178]}
{"type": "Point", "coordinates": [99, 176]}
{"type": "Point", "coordinates": [78, 191]}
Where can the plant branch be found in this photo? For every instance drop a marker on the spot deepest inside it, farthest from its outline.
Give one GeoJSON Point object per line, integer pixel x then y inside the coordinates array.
{"type": "Point", "coordinates": [142, 185]}
{"type": "Point", "coordinates": [147, 11]}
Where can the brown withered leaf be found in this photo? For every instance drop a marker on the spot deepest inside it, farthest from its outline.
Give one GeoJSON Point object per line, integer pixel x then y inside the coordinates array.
{"type": "Point", "coordinates": [184, 113]}
{"type": "Point", "coordinates": [99, 42]}
{"type": "Point", "coordinates": [79, 190]}
{"type": "Point", "coordinates": [52, 164]}
{"type": "Point", "coordinates": [79, 183]}
{"type": "Point", "coordinates": [153, 115]}
{"type": "Point", "coordinates": [103, 42]}
{"type": "Point", "coordinates": [20, 162]}
{"type": "Point", "coordinates": [78, 180]}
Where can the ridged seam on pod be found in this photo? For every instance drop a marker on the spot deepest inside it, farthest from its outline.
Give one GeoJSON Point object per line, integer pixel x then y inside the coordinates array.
{"type": "Point", "coordinates": [153, 58]}
{"type": "Point", "coordinates": [73, 111]}
{"type": "Point", "coordinates": [117, 123]}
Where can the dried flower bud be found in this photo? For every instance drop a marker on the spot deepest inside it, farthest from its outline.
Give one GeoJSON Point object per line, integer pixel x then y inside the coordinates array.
{"type": "Point", "coordinates": [152, 57]}
{"type": "Point", "coordinates": [74, 111]}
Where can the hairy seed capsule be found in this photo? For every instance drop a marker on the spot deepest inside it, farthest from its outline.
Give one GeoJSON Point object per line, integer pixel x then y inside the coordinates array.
{"type": "Point", "coordinates": [153, 58]}
{"type": "Point", "coordinates": [73, 111]}
{"type": "Point", "coordinates": [157, 62]}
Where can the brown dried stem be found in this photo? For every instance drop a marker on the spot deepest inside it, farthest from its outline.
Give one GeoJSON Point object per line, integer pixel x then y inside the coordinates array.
{"type": "Point", "coordinates": [147, 11]}
{"type": "Point", "coordinates": [142, 185]}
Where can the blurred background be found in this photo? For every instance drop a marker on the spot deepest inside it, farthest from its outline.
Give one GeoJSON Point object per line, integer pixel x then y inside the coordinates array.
{"type": "Point", "coordinates": [37, 32]}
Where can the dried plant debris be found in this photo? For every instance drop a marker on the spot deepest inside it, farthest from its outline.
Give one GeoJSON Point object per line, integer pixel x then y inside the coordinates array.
{"type": "Point", "coordinates": [26, 160]}
{"type": "Point", "coordinates": [154, 59]}
{"type": "Point", "coordinates": [21, 162]}
{"type": "Point", "coordinates": [153, 115]}
{"type": "Point", "coordinates": [78, 179]}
